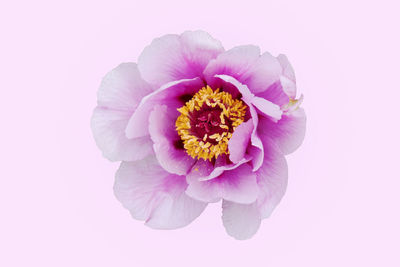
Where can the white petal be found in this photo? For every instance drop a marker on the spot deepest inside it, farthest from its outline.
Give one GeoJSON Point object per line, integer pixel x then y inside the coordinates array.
{"type": "Point", "coordinates": [241, 221]}
{"type": "Point", "coordinates": [119, 94]}
{"type": "Point", "coordinates": [154, 195]}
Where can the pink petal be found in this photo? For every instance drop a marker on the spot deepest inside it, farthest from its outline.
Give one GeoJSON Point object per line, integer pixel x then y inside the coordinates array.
{"type": "Point", "coordinates": [263, 73]}
{"type": "Point", "coordinates": [271, 179]}
{"type": "Point", "coordinates": [238, 185]}
{"type": "Point", "coordinates": [154, 195]}
{"type": "Point", "coordinates": [234, 62]}
{"type": "Point", "coordinates": [288, 133]}
{"type": "Point", "coordinates": [248, 97]}
{"type": "Point", "coordinates": [169, 94]}
{"type": "Point", "coordinates": [241, 221]}
{"type": "Point", "coordinates": [240, 139]}
{"type": "Point", "coordinates": [162, 131]}
{"type": "Point", "coordinates": [119, 94]}
{"type": "Point", "coordinates": [173, 57]}
{"type": "Point", "coordinates": [276, 94]}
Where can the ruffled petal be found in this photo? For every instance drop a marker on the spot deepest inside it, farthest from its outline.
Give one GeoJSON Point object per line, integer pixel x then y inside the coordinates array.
{"type": "Point", "coordinates": [257, 151]}
{"type": "Point", "coordinates": [241, 221]}
{"type": "Point", "coordinates": [272, 179]}
{"type": "Point", "coordinates": [238, 185]}
{"type": "Point", "coordinates": [171, 156]}
{"type": "Point", "coordinates": [119, 94]}
{"type": "Point", "coordinates": [154, 195]}
{"type": "Point", "coordinates": [173, 57]}
{"type": "Point", "coordinates": [288, 133]}
{"type": "Point", "coordinates": [173, 94]}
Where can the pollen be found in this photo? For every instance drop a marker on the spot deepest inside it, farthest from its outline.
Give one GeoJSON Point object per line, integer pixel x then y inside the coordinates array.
{"type": "Point", "coordinates": [207, 122]}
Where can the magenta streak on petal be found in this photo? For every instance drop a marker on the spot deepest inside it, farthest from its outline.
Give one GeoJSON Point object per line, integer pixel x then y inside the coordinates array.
{"type": "Point", "coordinates": [138, 123]}
{"type": "Point", "coordinates": [220, 169]}
{"type": "Point", "coordinates": [163, 133]}
{"type": "Point", "coordinates": [238, 185]}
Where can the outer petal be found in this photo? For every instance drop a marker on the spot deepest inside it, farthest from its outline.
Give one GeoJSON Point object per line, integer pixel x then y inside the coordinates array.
{"type": "Point", "coordinates": [108, 128]}
{"type": "Point", "coordinates": [237, 185]}
{"type": "Point", "coordinates": [153, 195]}
{"type": "Point", "coordinates": [172, 94]}
{"type": "Point", "coordinates": [245, 64]}
{"type": "Point", "coordinates": [234, 62]}
{"type": "Point", "coordinates": [170, 155]}
{"type": "Point", "coordinates": [173, 57]}
{"type": "Point", "coordinates": [241, 221]}
{"type": "Point", "coordinates": [265, 72]}
{"type": "Point", "coordinates": [288, 133]}
{"type": "Point", "coordinates": [272, 179]}
{"type": "Point", "coordinates": [119, 94]}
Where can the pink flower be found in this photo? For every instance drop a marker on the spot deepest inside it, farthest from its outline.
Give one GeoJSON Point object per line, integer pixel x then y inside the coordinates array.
{"type": "Point", "coordinates": [195, 124]}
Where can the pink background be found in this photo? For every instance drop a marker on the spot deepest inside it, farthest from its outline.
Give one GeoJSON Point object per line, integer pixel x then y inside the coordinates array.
{"type": "Point", "coordinates": [342, 204]}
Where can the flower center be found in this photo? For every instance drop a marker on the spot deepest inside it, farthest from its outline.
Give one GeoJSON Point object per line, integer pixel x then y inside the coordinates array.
{"type": "Point", "coordinates": [207, 122]}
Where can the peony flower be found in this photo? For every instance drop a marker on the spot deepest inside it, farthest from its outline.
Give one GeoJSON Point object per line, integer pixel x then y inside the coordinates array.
{"type": "Point", "coordinates": [194, 124]}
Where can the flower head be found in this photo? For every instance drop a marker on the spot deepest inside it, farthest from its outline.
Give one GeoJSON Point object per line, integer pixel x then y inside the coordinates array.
{"type": "Point", "coordinates": [195, 124]}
